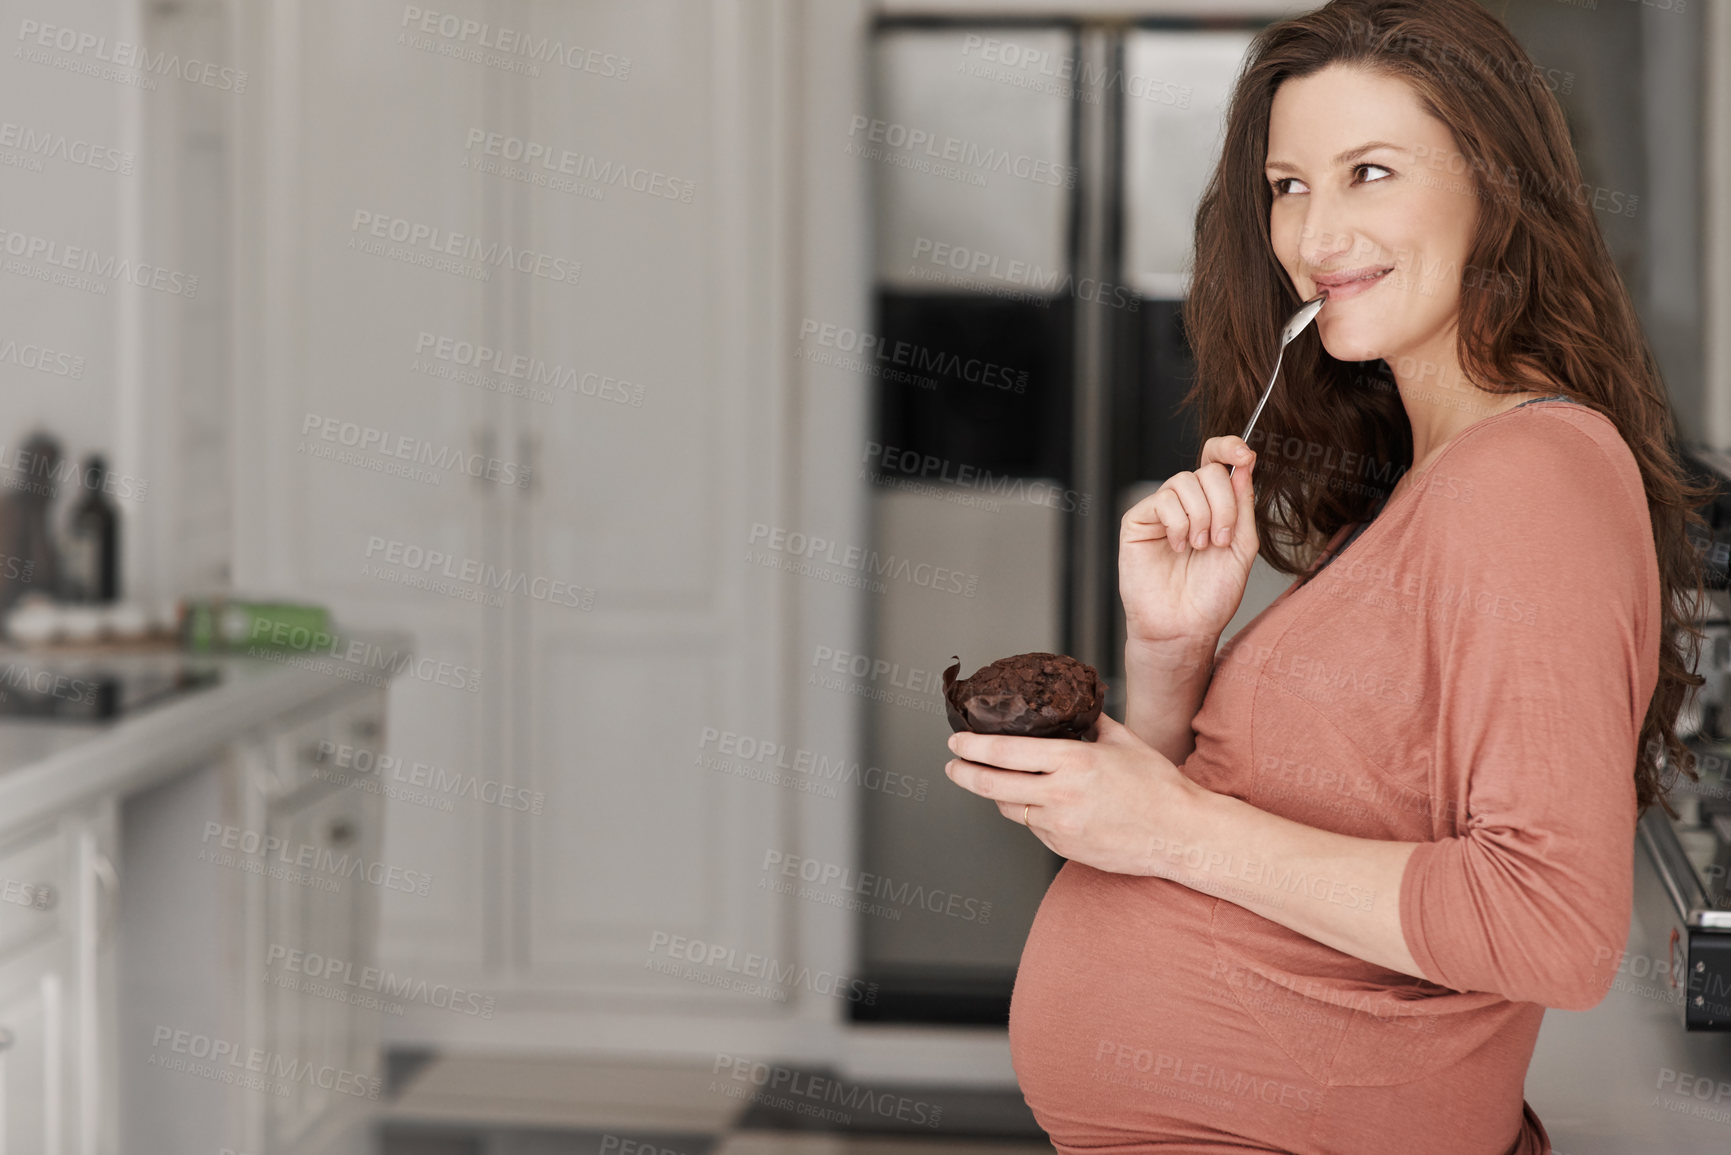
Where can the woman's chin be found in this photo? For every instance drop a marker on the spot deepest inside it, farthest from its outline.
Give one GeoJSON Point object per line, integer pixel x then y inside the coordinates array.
{"type": "Point", "coordinates": [1350, 343]}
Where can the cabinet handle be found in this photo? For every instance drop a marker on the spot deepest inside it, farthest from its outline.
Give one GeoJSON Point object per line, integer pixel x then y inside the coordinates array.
{"type": "Point", "coordinates": [7, 1038]}
{"type": "Point", "coordinates": [365, 728]}
{"type": "Point", "coordinates": [267, 782]}
{"type": "Point", "coordinates": [527, 444]}
{"type": "Point", "coordinates": [342, 832]}
{"type": "Point", "coordinates": [109, 879]}
{"type": "Point", "coordinates": [483, 439]}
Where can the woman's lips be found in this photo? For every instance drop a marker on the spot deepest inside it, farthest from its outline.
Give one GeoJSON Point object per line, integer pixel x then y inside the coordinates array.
{"type": "Point", "coordinates": [1340, 286]}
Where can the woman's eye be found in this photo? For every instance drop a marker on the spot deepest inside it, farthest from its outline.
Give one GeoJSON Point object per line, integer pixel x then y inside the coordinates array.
{"type": "Point", "coordinates": [1360, 170]}
{"type": "Point", "coordinates": [1283, 186]}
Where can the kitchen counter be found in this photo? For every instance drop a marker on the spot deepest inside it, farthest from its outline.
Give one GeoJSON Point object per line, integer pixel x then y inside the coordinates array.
{"type": "Point", "coordinates": [46, 765]}
{"type": "Point", "coordinates": [1625, 1077]}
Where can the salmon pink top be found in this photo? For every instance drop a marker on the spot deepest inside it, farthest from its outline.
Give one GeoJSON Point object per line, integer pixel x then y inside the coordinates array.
{"type": "Point", "coordinates": [1470, 673]}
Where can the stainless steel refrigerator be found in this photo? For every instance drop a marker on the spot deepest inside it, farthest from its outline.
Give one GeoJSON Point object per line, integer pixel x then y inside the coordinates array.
{"type": "Point", "coordinates": [1034, 191]}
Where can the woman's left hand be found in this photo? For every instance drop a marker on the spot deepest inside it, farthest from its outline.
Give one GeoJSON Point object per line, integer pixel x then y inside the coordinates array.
{"type": "Point", "coordinates": [1109, 804]}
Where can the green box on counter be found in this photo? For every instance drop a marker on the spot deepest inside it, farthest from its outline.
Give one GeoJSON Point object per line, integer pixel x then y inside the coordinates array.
{"type": "Point", "coordinates": [218, 624]}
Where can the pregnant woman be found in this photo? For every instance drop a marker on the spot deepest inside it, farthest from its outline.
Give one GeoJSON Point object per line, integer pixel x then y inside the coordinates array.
{"type": "Point", "coordinates": [1323, 883]}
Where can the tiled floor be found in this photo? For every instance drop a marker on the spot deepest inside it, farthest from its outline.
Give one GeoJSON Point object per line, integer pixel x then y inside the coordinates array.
{"type": "Point", "coordinates": [450, 1105]}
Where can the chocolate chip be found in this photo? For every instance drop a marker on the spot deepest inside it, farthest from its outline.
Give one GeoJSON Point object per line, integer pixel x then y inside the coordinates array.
{"type": "Point", "coordinates": [1036, 695]}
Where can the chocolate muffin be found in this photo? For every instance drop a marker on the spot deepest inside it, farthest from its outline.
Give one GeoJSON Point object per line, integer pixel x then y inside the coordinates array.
{"type": "Point", "coordinates": [1035, 695]}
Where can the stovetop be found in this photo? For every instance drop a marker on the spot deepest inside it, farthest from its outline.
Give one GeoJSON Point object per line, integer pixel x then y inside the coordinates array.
{"type": "Point", "coordinates": [94, 689]}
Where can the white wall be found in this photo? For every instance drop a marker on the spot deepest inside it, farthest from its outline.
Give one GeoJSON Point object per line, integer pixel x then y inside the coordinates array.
{"type": "Point", "coordinates": [50, 204]}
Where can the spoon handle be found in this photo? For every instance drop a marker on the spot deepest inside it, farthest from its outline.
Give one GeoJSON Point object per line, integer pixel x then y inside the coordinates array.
{"type": "Point", "coordinates": [1294, 326]}
{"type": "Point", "coordinates": [1257, 412]}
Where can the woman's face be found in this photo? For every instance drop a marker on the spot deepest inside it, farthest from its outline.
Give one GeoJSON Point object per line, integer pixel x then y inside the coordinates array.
{"type": "Point", "coordinates": [1374, 204]}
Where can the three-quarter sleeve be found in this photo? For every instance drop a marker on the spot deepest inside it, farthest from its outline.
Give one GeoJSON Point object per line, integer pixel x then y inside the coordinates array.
{"type": "Point", "coordinates": [1547, 659]}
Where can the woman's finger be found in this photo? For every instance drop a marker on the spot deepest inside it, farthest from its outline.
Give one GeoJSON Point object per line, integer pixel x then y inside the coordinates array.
{"type": "Point", "coordinates": [998, 785]}
{"type": "Point", "coordinates": [1244, 492]}
{"type": "Point", "coordinates": [1197, 516]}
{"type": "Point", "coordinates": [1011, 751]}
{"type": "Point", "coordinates": [1142, 522]}
{"type": "Point", "coordinates": [1227, 449]}
{"type": "Point", "coordinates": [1170, 509]}
{"type": "Point", "coordinates": [1222, 503]}
{"type": "Point", "coordinates": [1111, 730]}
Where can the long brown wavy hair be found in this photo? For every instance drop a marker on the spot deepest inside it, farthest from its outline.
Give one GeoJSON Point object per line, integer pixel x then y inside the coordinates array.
{"type": "Point", "coordinates": [1547, 302]}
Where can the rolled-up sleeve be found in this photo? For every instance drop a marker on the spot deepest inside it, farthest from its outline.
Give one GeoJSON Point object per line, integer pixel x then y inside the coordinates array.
{"type": "Point", "coordinates": [1547, 661]}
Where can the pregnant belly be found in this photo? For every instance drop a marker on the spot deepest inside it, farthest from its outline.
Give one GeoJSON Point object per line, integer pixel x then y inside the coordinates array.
{"type": "Point", "coordinates": [1147, 1017]}
{"type": "Point", "coordinates": [1125, 1032]}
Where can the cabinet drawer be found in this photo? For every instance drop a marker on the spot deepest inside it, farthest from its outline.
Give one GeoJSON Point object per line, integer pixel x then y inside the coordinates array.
{"type": "Point", "coordinates": [330, 746]}
{"type": "Point", "coordinates": [36, 1062]}
{"type": "Point", "coordinates": [33, 879]}
{"type": "Point", "coordinates": [303, 753]}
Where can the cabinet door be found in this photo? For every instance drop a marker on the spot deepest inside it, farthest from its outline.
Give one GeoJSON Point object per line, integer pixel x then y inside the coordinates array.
{"type": "Point", "coordinates": [35, 1045]}
{"type": "Point", "coordinates": [641, 628]}
{"type": "Point", "coordinates": [366, 485]}
{"type": "Point", "coordinates": [94, 1107]}
{"type": "Point", "coordinates": [325, 917]}
{"type": "Point", "coordinates": [55, 987]}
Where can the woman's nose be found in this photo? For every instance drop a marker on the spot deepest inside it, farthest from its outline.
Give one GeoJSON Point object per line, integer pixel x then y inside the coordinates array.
{"type": "Point", "coordinates": [1324, 243]}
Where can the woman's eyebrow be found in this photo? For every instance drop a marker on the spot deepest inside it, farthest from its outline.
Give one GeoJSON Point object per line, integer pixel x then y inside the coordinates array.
{"type": "Point", "coordinates": [1346, 157]}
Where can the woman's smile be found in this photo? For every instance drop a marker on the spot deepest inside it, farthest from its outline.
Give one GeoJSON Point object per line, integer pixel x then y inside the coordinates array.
{"type": "Point", "coordinates": [1351, 283]}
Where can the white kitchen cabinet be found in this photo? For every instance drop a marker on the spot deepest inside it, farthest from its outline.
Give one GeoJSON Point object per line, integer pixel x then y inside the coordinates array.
{"type": "Point", "coordinates": [36, 1092]}
{"type": "Point", "coordinates": [56, 992]}
{"type": "Point", "coordinates": [647, 504]}
{"type": "Point", "coordinates": [317, 1026]}
{"type": "Point", "coordinates": [646, 462]}
{"type": "Point", "coordinates": [207, 931]}
{"type": "Point", "coordinates": [310, 168]}
{"type": "Point", "coordinates": [670, 421]}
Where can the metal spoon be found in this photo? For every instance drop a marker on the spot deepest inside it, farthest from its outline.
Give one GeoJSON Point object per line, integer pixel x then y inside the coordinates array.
{"type": "Point", "coordinates": [1300, 320]}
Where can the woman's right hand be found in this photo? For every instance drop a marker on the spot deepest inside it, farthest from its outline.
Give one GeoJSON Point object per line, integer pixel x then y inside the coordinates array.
{"type": "Point", "coordinates": [1185, 551]}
